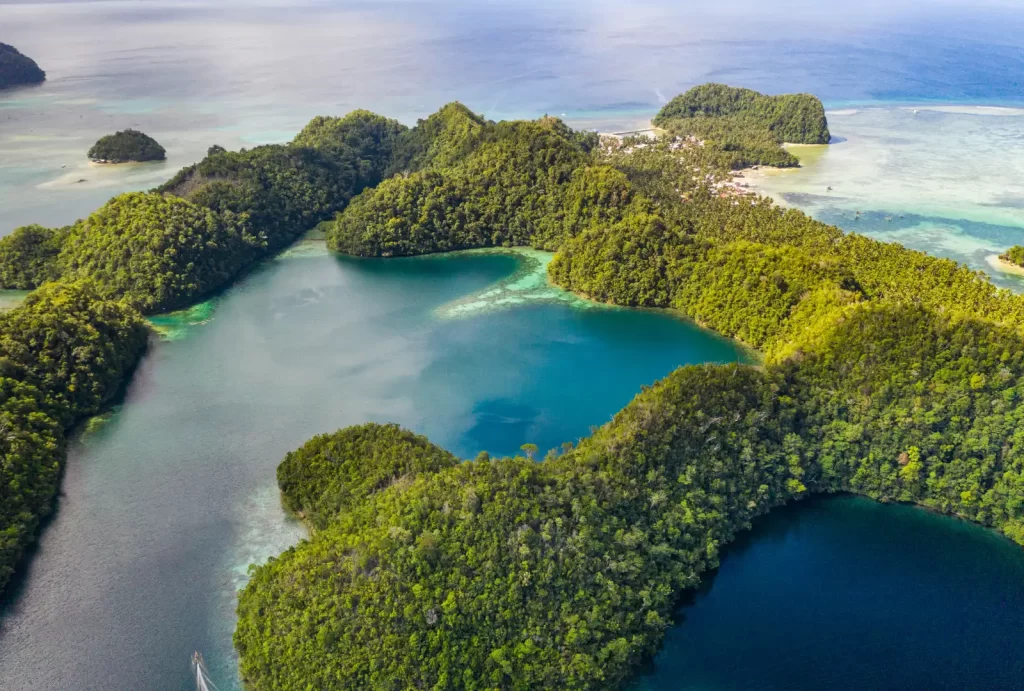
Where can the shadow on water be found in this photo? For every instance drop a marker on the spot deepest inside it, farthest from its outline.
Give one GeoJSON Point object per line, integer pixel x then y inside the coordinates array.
{"type": "Point", "coordinates": [76, 438]}
{"type": "Point", "coordinates": [766, 529]}
{"type": "Point", "coordinates": [861, 587]}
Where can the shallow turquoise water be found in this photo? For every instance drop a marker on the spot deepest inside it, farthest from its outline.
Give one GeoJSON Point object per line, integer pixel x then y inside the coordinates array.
{"type": "Point", "coordinates": [167, 504]}
{"type": "Point", "coordinates": [942, 179]}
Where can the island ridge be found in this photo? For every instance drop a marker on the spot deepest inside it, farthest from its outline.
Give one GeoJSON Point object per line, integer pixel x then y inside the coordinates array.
{"type": "Point", "coordinates": [886, 372]}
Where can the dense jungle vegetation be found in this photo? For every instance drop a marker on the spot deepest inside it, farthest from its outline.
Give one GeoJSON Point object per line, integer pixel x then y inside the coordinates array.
{"type": "Point", "coordinates": [126, 146]}
{"type": "Point", "coordinates": [70, 348]}
{"type": "Point", "coordinates": [28, 256]}
{"type": "Point", "coordinates": [64, 354]}
{"type": "Point", "coordinates": [467, 183]}
{"type": "Point", "coordinates": [17, 69]}
{"type": "Point", "coordinates": [792, 118]}
{"type": "Point", "coordinates": [886, 372]}
{"type": "Point", "coordinates": [168, 248]}
{"type": "Point", "coordinates": [744, 127]}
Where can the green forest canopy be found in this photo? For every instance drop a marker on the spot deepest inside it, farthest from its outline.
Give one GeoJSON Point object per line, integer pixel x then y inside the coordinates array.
{"type": "Point", "coordinates": [168, 248]}
{"type": "Point", "coordinates": [793, 118]}
{"type": "Point", "coordinates": [886, 372]}
{"type": "Point", "coordinates": [127, 146]}
{"type": "Point", "coordinates": [17, 69]}
{"type": "Point", "coordinates": [745, 127]}
{"type": "Point", "coordinates": [72, 345]}
{"type": "Point", "coordinates": [64, 354]}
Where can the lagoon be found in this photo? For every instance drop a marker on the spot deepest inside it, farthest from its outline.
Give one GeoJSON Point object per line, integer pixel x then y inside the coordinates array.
{"type": "Point", "coordinates": [167, 502]}
{"type": "Point", "coordinates": [945, 180]}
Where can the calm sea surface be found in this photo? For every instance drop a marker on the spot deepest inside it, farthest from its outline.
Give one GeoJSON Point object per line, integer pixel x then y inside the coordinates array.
{"type": "Point", "coordinates": [166, 504]}
{"type": "Point", "coordinates": [947, 180]}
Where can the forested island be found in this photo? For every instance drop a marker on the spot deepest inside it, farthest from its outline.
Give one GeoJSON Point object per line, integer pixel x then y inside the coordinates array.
{"type": "Point", "coordinates": [17, 69]}
{"type": "Point", "coordinates": [126, 146]}
{"type": "Point", "coordinates": [1011, 261]}
{"type": "Point", "coordinates": [1014, 255]}
{"type": "Point", "coordinates": [885, 372]}
{"type": "Point", "coordinates": [746, 127]}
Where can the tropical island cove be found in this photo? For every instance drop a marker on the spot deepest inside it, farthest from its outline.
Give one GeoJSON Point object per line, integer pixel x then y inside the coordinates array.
{"type": "Point", "coordinates": [815, 362]}
{"type": "Point", "coordinates": [467, 397]}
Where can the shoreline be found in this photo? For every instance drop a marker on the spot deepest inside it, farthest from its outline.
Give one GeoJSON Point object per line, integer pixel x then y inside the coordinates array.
{"type": "Point", "coordinates": [649, 130]}
{"type": "Point", "coordinates": [1000, 264]}
{"type": "Point", "coordinates": [109, 164]}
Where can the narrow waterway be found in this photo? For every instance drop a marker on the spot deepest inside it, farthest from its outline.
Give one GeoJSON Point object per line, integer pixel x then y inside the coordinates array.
{"type": "Point", "coordinates": [167, 502]}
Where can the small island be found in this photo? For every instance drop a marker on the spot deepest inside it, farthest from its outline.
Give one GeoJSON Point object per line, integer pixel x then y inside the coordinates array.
{"type": "Point", "coordinates": [745, 127]}
{"type": "Point", "coordinates": [17, 69]}
{"type": "Point", "coordinates": [1014, 255]}
{"type": "Point", "coordinates": [127, 146]}
{"type": "Point", "coordinates": [1011, 261]}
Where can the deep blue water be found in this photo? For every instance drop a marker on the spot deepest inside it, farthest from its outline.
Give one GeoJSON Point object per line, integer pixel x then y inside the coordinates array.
{"type": "Point", "coordinates": [844, 593]}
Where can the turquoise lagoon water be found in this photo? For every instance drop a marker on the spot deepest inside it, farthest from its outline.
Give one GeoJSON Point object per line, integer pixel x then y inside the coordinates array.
{"type": "Point", "coordinates": [167, 503]}
{"type": "Point", "coordinates": [171, 496]}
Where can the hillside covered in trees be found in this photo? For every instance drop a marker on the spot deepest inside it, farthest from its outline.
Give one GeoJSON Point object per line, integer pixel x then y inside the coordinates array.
{"type": "Point", "coordinates": [171, 247]}
{"type": "Point", "coordinates": [745, 127]}
{"type": "Point", "coordinates": [17, 69]}
{"type": "Point", "coordinates": [64, 354]}
{"type": "Point", "coordinates": [886, 372]}
{"type": "Point", "coordinates": [793, 118]}
{"type": "Point", "coordinates": [70, 348]}
{"type": "Point", "coordinates": [126, 146]}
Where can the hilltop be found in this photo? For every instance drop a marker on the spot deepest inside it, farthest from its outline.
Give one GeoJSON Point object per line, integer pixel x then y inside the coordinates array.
{"type": "Point", "coordinates": [17, 69]}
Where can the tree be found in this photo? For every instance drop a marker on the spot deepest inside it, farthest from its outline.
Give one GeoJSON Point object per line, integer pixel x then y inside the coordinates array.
{"type": "Point", "coordinates": [127, 146]}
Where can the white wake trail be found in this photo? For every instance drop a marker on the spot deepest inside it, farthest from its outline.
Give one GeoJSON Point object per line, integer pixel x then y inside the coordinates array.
{"type": "Point", "coordinates": [203, 681]}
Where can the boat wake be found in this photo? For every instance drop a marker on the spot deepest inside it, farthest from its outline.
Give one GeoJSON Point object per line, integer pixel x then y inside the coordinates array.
{"type": "Point", "coordinates": [203, 682]}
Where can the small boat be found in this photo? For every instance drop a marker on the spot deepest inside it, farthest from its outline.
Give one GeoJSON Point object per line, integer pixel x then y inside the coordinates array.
{"type": "Point", "coordinates": [202, 674]}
